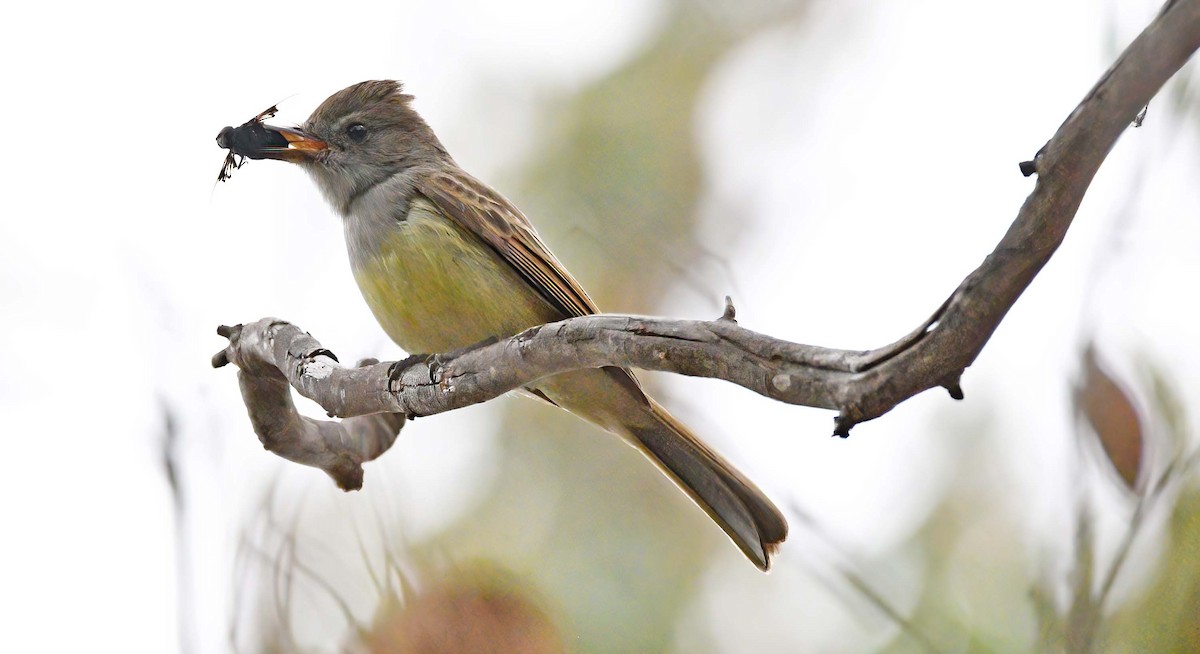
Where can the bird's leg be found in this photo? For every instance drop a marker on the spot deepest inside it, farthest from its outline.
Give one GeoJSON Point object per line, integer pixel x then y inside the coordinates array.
{"type": "Point", "coordinates": [435, 362]}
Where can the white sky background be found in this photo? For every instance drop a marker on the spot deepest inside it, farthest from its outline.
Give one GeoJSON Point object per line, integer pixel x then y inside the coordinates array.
{"type": "Point", "coordinates": [874, 137]}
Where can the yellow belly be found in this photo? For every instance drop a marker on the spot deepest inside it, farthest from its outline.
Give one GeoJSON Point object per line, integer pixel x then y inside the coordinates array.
{"type": "Point", "coordinates": [435, 287]}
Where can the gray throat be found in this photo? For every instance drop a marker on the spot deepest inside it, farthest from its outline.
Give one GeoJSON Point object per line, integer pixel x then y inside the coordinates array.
{"type": "Point", "coordinates": [373, 214]}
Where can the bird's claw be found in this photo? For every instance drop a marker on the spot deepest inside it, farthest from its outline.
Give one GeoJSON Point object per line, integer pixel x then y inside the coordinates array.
{"type": "Point", "coordinates": [396, 370]}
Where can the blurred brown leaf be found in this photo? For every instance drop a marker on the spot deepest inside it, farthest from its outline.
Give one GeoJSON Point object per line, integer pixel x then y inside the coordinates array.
{"type": "Point", "coordinates": [1113, 418]}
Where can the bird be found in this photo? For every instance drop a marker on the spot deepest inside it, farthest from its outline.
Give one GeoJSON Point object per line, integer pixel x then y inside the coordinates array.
{"type": "Point", "coordinates": [445, 262]}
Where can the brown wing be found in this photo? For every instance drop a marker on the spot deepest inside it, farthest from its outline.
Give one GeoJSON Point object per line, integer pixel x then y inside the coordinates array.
{"type": "Point", "coordinates": [502, 226]}
{"type": "Point", "coordinates": [494, 219]}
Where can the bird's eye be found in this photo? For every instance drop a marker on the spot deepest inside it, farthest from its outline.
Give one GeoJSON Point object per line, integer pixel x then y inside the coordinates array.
{"type": "Point", "coordinates": [357, 132]}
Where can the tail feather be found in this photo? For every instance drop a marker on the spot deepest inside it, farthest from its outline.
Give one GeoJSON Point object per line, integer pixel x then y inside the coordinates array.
{"type": "Point", "coordinates": [751, 520]}
{"type": "Point", "coordinates": [613, 399]}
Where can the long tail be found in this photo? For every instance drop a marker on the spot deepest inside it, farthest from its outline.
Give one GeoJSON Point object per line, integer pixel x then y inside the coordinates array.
{"type": "Point", "coordinates": [612, 398]}
{"type": "Point", "coordinates": [750, 519]}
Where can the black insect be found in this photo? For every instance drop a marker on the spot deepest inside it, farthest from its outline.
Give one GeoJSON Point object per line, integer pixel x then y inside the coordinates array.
{"type": "Point", "coordinates": [245, 140]}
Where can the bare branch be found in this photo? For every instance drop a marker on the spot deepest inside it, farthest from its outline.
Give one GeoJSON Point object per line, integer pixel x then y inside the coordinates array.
{"type": "Point", "coordinates": [338, 448]}
{"type": "Point", "coordinates": [860, 385]}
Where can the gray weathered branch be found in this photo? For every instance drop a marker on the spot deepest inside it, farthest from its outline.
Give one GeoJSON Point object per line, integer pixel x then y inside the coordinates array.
{"type": "Point", "coordinates": [860, 385]}
{"type": "Point", "coordinates": [338, 448]}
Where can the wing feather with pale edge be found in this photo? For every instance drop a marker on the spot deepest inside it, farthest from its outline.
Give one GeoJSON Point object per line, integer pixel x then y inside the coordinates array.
{"type": "Point", "coordinates": [505, 229]}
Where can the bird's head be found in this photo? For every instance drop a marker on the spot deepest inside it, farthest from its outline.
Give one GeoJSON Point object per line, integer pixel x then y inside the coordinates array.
{"type": "Point", "coordinates": [358, 137]}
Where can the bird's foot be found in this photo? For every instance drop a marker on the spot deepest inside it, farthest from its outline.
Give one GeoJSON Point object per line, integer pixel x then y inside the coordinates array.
{"type": "Point", "coordinates": [396, 370]}
{"type": "Point", "coordinates": [434, 362]}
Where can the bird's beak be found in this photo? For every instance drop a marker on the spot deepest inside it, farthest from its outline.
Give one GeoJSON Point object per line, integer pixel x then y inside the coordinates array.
{"type": "Point", "coordinates": [256, 140]}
